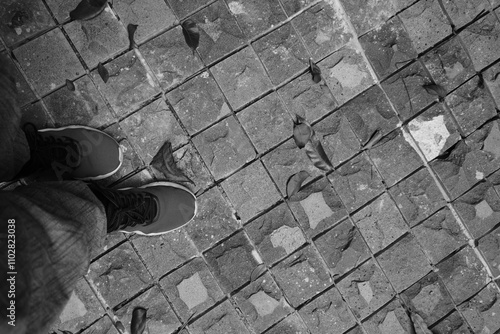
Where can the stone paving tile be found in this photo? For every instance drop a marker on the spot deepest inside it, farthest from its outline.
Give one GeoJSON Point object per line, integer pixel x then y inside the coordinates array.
{"type": "Point", "coordinates": [98, 39]}
{"type": "Point", "coordinates": [151, 16]}
{"type": "Point", "coordinates": [214, 220]}
{"type": "Point", "coordinates": [224, 147]}
{"type": "Point", "coordinates": [166, 252]}
{"type": "Point", "coordinates": [198, 102]}
{"type": "Point", "coordinates": [439, 229]}
{"type": "Point", "coordinates": [170, 59]}
{"type": "Point", "coordinates": [390, 319]}
{"type": "Point", "coordinates": [160, 316]}
{"type": "Point", "coordinates": [22, 20]}
{"type": "Point", "coordinates": [256, 16]}
{"type": "Point", "coordinates": [24, 93]}
{"type": "Point", "coordinates": [275, 234]}
{"type": "Point", "coordinates": [119, 275]}
{"type": "Point", "coordinates": [232, 262]}
{"type": "Point", "coordinates": [489, 245]}
{"type": "Point", "coordinates": [222, 319]}
{"type": "Point", "coordinates": [219, 32]}
{"type": "Point", "coordinates": [44, 68]}
{"type": "Point", "coordinates": [482, 40]}
{"type": "Point", "coordinates": [292, 324]}
{"type": "Point", "coordinates": [282, 53]}
{"type": "Point", "coordinates": [449, 64]}
{"type": "Point", "coordinates": [129, 84]}
{"type": "Point", "coordinates": [103, 326]}
{"type": "Point", "coordinates": [491, 79]}
{"type": "Point", "coordinates": [387, 158]}
{"type": "Point", "coordinates": [266, 122]}
{"type": "Point", "coordinates": [380, 223]}
{"type": "Point", "coordinates": [323, 29]}
{"type": "Point", "coordinates": [426, 24]}
{"type": "Point", "coordinates": [293, 6]}
{"type": "Point", "coordinates": [184, 7]}
{"type": "Point", "coordinates": [463, 11]}
{"type": "Point", "coordinates": [250, 191]}
{"type": "Point", "coordinates": [61, 8]}
{"type": "Point", "coordinates": [452, 324]}
{"type": "Point", "coordinates": [317, 207]}
{"type": "Point", "coordinates": [262, 303]}
{"type": "Point", "coordinates": [327, 314]}
{"type": "Point", "coordinates": [463, 274]}
{"type": "Point", "coordinates": [366, 289]}
{"type": "Point", "coordinates": [241, 77]}
{"type": "Point", "coordinates": [191, 289]}
{"type": "Point", "coordinates": [388, 47]}
{"type": "Point", "coordinates": [302, 275]}
{"type": "Point", "coordinates": [35, 113]}
{"type": "Point", "coordinates": [481, 312]}
{"type": "Point", "coordinates": [84, 106]}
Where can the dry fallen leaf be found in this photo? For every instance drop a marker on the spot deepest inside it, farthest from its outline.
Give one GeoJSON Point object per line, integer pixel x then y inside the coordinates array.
{"type": "Point", "coordinates": [191, 34]}
{"type": "Point", "coordinates": [434, 89]}
{"type": "Point", "coordinates": [70, 85]}
{"type": "Point", "coordinates": [120, 327]}
{"type": "Point", "coordinates": [131, 28]}
{"type": "Point", "coordinates": [302, 131]}
{"type": "Point", "coordinates": [164, 162]}
{"type": "Point", "coordinates": [103, 72]}
{"type": "Point", "coordinates": [257, 272]}
{"type": "Point", "coordinates": [374, 139]}
{"type": "Point", "coordinates": [295, 182]}
{"type": "Point", "coordinates": [138, 323]}
{"type": "Point", "coordinates": [315, 71]}
{"type": "Point", "coordinates": [316, 153]}
{"type": "Point", "coordinates": [87, 9]}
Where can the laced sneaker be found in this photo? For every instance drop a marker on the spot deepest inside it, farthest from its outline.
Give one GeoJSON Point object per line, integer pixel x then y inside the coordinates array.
{"type": "Point", "coordinates": [75, 151]}
{"type": "Point", "coordinates": [153, 209]}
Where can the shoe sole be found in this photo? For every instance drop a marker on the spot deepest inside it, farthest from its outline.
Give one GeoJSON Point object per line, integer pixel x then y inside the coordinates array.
{"type": "Point", "coordinates": [168, 184]}
{"type": "Point", "coordinates": [99, 177]}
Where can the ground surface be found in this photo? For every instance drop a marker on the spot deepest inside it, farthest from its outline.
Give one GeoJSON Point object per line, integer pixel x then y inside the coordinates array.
{"type": "Point", "coordinates": [416, 216]}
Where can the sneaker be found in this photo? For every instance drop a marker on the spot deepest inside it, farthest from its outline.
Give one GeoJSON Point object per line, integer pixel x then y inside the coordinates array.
{"type": "Point", "coordinates": [153, 209]}
{"type": "Point", "coordinates": [75, 151]}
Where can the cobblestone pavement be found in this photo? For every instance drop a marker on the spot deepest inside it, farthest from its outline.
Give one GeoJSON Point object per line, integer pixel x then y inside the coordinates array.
{"type": "Point", "coordinates": [414, 218]}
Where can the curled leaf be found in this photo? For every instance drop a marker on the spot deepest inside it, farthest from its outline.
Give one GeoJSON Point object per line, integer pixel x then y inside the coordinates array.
{"type": "Point", "coordinates": [131, 28]}
{"type": "Point", "coordinates": [480, 81]}
{"type": "Point", "coordinates": [295, 182]}
{"type": "Point", "coordinates": [70, 85]}
{"type": "Point", "coordinates": [315, 71]}
{"type": "Point", "coordinates": [257, 272]}
{"type": "Point", "coordinates": [138, 323]}
{"type": "Point", "coordinates": [185, 324]}
{"type": "Point", "coordinates": [302, 132]}
{"type": "Point", "coordinates": [103, 72]}
{"type": "Point", "coordinates": [316, 153]}
{"type": "Point", "coordinates": [374, 139]}
{"type": "Point", "coordinates": [120, 327]}
{"type": "Point", "coordinates": [164, 162]}
{"type": "Point", "coordinates": [87, 9]}
{"type": "Point", "coordinates": [191, 34]}
{"type": "Point", "coordinates": [434, 89]}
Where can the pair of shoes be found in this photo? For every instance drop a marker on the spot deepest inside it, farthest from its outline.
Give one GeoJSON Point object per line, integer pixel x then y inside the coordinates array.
{"type": "Point", "coordinates": [83, 153]}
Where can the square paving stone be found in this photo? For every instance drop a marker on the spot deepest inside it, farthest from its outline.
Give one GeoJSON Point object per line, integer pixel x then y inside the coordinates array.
{"type": "Point", "coordinates": [434, 131]}
{"type": "Point", "coordinates": [266, 122]}
{"type": "Point", "coordinates": [479, 209]}
{"type": "Point", "coordinates": [452, 324]}
{"type": "Point", "coordinates": [275, 234]}
{"type": "Point", "coordinates": [282, 53]}
{"type": "Point", "coordinates": [317, 207]}
{"type": "Point", "coordinates": [491, 78]}
{"type": "Point", "coordinates": [224, 147]}
{"type": "Point", "coordinates": [170, 59]}
{"type": "Point", "coordinates": [370, 112]}
{"type": "Point", "coordinates": [357, 182]}
{"type": "Point", "coordinates": [440, 229]}
{"type": "Point", "coordinates": [366, 289]}
{"type": "Point", "coordinates": [293, 6]}
{"type": "Point", "coordinates": [165, 252]}
{"type": "Point", "coordinates": [404, 263]}
{"type": "Point", "coordinates": [346, 73]}
{"type": "Point", "coordinates": [184, 7]}
{"type": "Point", "coordinates": [327, 314]}
{"type": "Point", "coordinates": [24, 94]}
{"type": "Point", "coordinates": [214, 221]}
{"type": "Point", "coordinates": [490, 248]}
{"type": "Point", "coordinates": [323, 28]}
{"type": "Point", "coordinates": [406, 90]}
{"type": "Point", "coordinates": [429, 298]}
{"type": "Point", "coordinates": [262, 303]}
{"type": "Point", "coordinates": [481, 312]}
{"type": "Point", "coordinates": [293, 324]}
{"type": "Point", "coordinates": [22, 20]}
{"type": "Point", "coordinates": [304, 98]}
{"type": "Point", "coordinates": [256, 16]}
{"type": "Point", "coordinates": [302, 275]}
{"type": "Point", "coordinates": [462, 12]}
{"type": "Point", "coordinates": [388, 47]}
{"type": "Point", "coordinates": [129, 85]}
{"type": "Point", "coordinates": [198, 102]}
{"type": "Point", "coordinates": [44, 64]}
{"type": "Point", "coordinates": [391, 319]}
{"type": "Point", "coordinates": [82, 309]}
{"type": "Point", "coordinates": [160, 317]}
{"type": "Point", "coordinates": [219, 32]}
{"type": "Point", "coordinates": [449, 64]}
{"type": "Point", "coordinates": [35, 113]}
{"type": "Point", "coordinates": [342, 247]}
{"type": "Point", "coordinates": [232, 262]}
{"type": "Point", "coordinates": [380, 223]}
{"type": "Point", "coordinates": [98, 39]}
{"type": "Point", "coordinates": [426, 24]}
{"type": "Point", "coordinates": [84, 106]}
{"type": "Point", "coordinates": [61, 8]}
{"type": "Point", "coordinates": [151, 16]}
{"type": "Point", "coordinates": [119, 275]}
{"type": "Point", "coordinates": [251, 191]}
{"type": "Point", "coordinates": [463, 274]}
{"type": "Point", "coordinates": [417, 197]}
{"type": "Point", "coordinates": [222, 319]}
{"type": "Point", "coordinates": [241, 77]}
{"type": "Point", "coordinates": [471, 106]}
{"type": "Point", "coordinates": [191, 289]}
{"type": "Point", "coordinates": [482, 40]}
{"type": "Point", "coordinates": [388, 157]}
{"type": "Point", "coordinates": [103, 326]}
{"type": "Point", "coordinates": [150, 127]}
